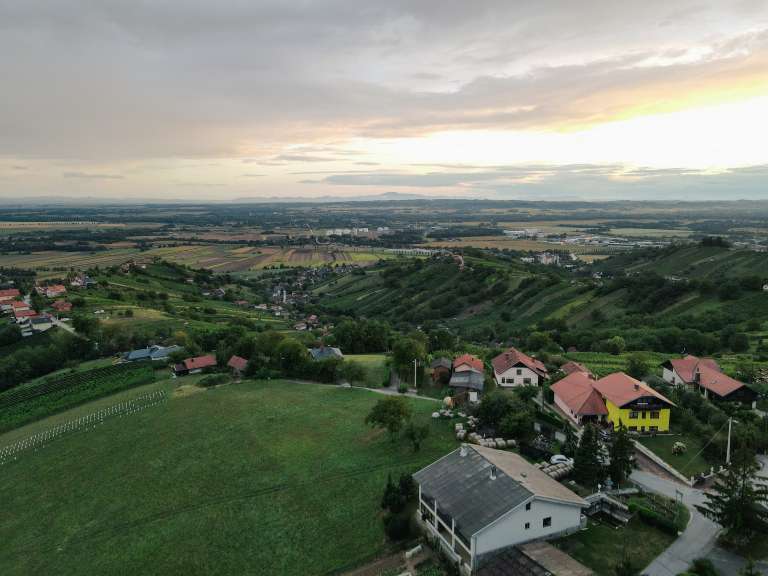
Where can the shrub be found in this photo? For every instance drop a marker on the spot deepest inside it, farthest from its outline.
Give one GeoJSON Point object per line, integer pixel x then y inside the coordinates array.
{"type": "Point", "coordinates": [398, 526]}
{"type": "Point", "coordinates": [653, 518]}
{"type": "Point", "coordinates": [213, 380]}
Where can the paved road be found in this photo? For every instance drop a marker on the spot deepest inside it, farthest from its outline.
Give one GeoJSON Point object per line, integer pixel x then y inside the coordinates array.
{"type": "Point", "coordinates": [696, 541]}
{"type": "Point", "coordinates": [63, 325]}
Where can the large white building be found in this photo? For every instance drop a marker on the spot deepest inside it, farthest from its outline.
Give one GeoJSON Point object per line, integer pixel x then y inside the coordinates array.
{"type": "Point", "coordinates": [476, 501]}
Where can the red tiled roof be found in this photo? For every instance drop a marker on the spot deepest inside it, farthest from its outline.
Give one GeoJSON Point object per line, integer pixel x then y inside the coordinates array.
{"type": "Point", "coordinates": [573, 366]}
{"type": "Point", "coordinates": [716, 382]}
{"type": "Point", "coordinates": [469, 362]}
{"type": "Point", "coordinates": [513, 357]}
{"type": "Point", "coordinates": [62, 306]}
{"type": "Point", "coordinates": [686, 367]}
{"type": "Point", "coordinates": [578, 393]}
{"type": "Point", "coordinates": [24, 313]}
{"type": "Point", "coordinates": [200, 362]}
{"type": "Point", "coordinates": [18, 305]}
{"type": "Point", "coordinates": [238, 363]}
{"type": "Point", "coordinates": [621, 389]}
{"type": "Point", "coordinates": [9, 293]}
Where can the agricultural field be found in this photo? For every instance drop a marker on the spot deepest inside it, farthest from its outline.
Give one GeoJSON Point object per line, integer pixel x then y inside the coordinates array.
{"type": "Point", "coordinates": [506, 243]}
{"type": "Point", "coordinates": [216, 257]}
{"type": "Point", "coordinates": [375, 366]}
{"type": "Point", "coordinates": [53, 393]}
{"type": "Point", "coordinates": [289, 482]}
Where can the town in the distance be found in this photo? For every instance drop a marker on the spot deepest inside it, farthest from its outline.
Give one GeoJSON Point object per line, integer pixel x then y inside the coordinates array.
{"type": "Point", "coordinates": [385, 387]}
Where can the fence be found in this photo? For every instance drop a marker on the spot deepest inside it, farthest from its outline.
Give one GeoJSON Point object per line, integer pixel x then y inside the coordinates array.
{"type": "Point", "coordinates": [88, 422]}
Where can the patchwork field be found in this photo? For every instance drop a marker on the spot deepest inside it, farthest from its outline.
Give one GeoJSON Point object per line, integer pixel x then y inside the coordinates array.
{"type": "Point", "coordinates": [253, 478]}
{"type": "Point", "coordinates": [505, 243]}
{"type": "Point", "coordinates": [217, 257]}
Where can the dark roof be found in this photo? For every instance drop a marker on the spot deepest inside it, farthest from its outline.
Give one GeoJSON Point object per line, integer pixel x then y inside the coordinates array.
{"type": "Point", "coordinates": [150, 353]}
{"type": "Point", "coordinates": [441, 363]}
{"type": "Point", "coordinates": [531, 559]}
{"type": "Point", "coordinates": [464, 490]}
{"type": "Point", "coordinates": [467, 379]}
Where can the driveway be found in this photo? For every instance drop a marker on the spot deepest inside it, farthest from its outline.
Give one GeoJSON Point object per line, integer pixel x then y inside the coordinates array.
{"type": "Point", "coordinates": [700, 536]}
{"type": "Point", "coordinates": [697, 540]}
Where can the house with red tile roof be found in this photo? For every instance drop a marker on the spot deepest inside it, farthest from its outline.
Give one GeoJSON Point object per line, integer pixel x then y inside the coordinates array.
{"type": "Point", "coordinates": [238, 364]}
{"type": "Point", "coordinates": [195, 365]}
{"type": "Point", "coordinates": [468, 362]}
{"type": "Point", "coordinates": [634, 404]}
{"type": "Point", "coordinates": [9, 294]}
{"type": "Point", "coordinates": [577, 398]}
{"type": "Point", "coordinates": [18, 305]}
{"type": "Point", "coordinates": [706, 376]}
{"type": "Point", "coordinates": [62, 306]}
{"type": "Point", "coordinates": [573, 366]}
{"type": "Point", "coordinates": [514, 368]}
{"type": "Point", "coordinates": [52, 291]}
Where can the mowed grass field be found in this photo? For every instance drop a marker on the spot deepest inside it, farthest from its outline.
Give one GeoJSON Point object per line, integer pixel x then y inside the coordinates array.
{"type": "Point", "coordinates": [250, 478]}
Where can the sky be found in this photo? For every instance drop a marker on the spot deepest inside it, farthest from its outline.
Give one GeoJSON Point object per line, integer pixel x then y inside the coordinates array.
{"type": "Point", "coordinates": [507, 99]}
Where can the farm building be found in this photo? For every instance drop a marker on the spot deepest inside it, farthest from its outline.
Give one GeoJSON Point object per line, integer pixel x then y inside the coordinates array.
{"type": "Point", "coordinates": [514, 368]}
{"type": "Point", "coordinates": [706, 376]}
{"type": "Point", "coordinates": [325, 352]}
{"type": "Point", "coordinates": [150, 353]}
{"type": "Point", "coordinates": [237, 364]}
{"type": "Point", "coordinates": [478, 501]}
{"type": "Point", "coordinates": [441, 370]}
{"type": "Point", "coordinates": [468, 362]}
{"type": "Point", "coordinates": [468, 384]}
{"type": "Point", "coordinates": [195, 365]}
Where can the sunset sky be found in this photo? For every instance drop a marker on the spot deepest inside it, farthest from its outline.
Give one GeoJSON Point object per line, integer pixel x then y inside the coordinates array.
{"type": "Point", "coordinates": [554, 99]}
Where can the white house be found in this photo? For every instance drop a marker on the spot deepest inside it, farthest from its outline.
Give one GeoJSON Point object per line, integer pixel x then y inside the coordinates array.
{"type": "Point", "coordinates": [513, 368]}
{"type": "Point", "coordinates": [476, 501]}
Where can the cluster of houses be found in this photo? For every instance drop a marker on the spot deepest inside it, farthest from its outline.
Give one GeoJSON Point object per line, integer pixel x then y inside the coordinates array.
{"type": "Point", "coordinates": [31, 321]}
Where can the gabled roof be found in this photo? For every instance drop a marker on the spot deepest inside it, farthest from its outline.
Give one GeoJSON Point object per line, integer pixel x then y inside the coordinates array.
{"type": "Point", "coordinates": [464, 489]}
{"type": "Point", "coordinates": [200, 362]}
{"type": "Point", "coordinates": [573, 366]}
{"type": "Point", "coordinates": [716, 382]}
{"type": "Point", "coordinates": [686, 367]}
{"type": "Point", "coordinates": [442, 362]}
{"type": "Point", "coordinates": [468, 362]}
{"type": "Point", "coordinates": [24, 313]}
{"type": "Point", "coordinates": [62, 306]}
{"type": "Point", "coordinates": [467, 379]}
{"type": "Point", "coordinates": [577, 391]}
{"type": "Point", "coordinates": [19, 305]}
{"type": "Point", "coordinates": [9, 293]}
{"type": "Point", "coordinates": [621, 389]}
{"type": "Point", "coordinates": [237, 362]}
{"type": "Point", "coordinates": [513, 357]}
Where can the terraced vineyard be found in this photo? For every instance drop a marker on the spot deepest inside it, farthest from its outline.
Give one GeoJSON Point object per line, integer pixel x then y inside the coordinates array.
{"type": "Point", "coordinates": [44, 397]}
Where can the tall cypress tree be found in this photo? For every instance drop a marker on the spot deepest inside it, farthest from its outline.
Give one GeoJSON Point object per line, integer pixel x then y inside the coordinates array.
{"type": "Point", "coordinates": [587, 468]}
{"type": "Point", "coordinates": [738, 502]}
{"type": "Point", "coordinates": [621, 456]}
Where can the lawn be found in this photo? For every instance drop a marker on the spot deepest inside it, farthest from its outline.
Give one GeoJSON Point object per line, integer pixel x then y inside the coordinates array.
{"type": "Point", "coordinates": [375, 366]}
{"type": "Point", "coordinates": [602, 545]}
{"type": "Point", "coordinates": [689, 464]}
{"type": "Point", "coordinates": [250, 478]}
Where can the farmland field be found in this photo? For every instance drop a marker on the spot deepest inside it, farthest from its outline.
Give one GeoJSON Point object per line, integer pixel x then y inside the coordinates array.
{"type": "Point", "coordinates": [375, 367]}
{"type": "Point", "coordinates": [216, 257]}
{"type": "Point", "coordinates": [503, 242]}
{"type": "Point", "coordinates": [254, 478]}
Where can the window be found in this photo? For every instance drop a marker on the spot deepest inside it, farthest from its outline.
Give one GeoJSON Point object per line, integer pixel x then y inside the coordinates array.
{"type": "Point", "coordinates": [632, 428]}
{"type": "Point", "coordinates": [653, 428]}
{"type": "Point", "coordinates": [519, 371]}
{"type": "Point", "coordinates": [654, 415]}
{"type": "Point", "coordinates": [528, 506]}
{"type": "Point", "coordinates": [643, 414]}
{"type": "Point", "coordinates": [527, 525]}
{"type": "Point", "coordinates": [526, 380]}
{"type": "Point", "coordinates": [633, 415]}
{"type": "Point", "coordinates": [547, 522]}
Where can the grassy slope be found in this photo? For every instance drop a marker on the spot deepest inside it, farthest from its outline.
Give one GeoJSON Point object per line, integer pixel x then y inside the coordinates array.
{"type": "Point", "coordinates": [251, 478]}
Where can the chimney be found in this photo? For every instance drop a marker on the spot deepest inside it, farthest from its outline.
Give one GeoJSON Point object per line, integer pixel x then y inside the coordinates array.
{"type": "Point", "coordinates": [637, 386]}
{"type": "Point", "coordinates": [463, 450]}
{"type": "Point", "coordinates": [493, 472]}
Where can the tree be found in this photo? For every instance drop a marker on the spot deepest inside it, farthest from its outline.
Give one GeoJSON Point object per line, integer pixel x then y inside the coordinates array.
{"type": "Point", "coordinates": [637, 367]}
{"type": "Point", "coordinates": [571, 443]}
{"type": "Point", "coordinates": [738, 502]}
{"type": "Point", "coordinates": [416, 433]}
{"type": "Point", "coordinates": [493, 407]}
{"type": "Point", "coordinates": [390, 413]}
{"type": "Point", "coordinates": [621, 456]}
{"type": "Point", "coordinates": [750, 569]}
{"type": "Point", "coordinates": [353, 371]}
{"type": "Point", "coordinates": [615, 345]}
{"type": "Point", "coordinates": [587, 467]}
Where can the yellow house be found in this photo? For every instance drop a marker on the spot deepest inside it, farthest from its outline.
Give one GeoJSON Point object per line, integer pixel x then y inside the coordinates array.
{"type": "Point", "coordinates": [634, 404]}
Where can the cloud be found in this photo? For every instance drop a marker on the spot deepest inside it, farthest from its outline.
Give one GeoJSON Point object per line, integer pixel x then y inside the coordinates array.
{"type": "Point", "coordinates": [92, 176]}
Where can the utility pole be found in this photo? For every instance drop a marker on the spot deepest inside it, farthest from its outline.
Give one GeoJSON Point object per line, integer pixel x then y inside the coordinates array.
{"type": "Point", "coordinates": [728, 448]}
{"type": "Point", "coordinates": [414, 372]}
